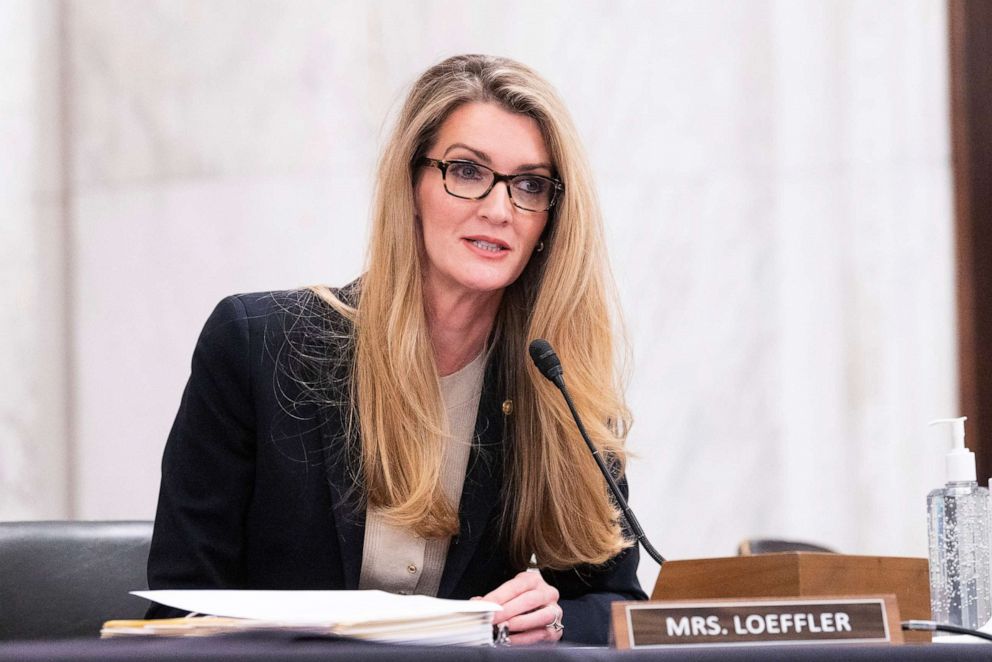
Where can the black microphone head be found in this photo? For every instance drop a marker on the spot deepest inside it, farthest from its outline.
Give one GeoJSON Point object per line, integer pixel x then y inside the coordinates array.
{"type": "Point", "coordinates": [546, 360]}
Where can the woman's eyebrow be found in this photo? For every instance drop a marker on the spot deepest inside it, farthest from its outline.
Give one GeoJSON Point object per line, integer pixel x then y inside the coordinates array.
{"type": "Point", "coordinates": [534, 166]}
{"type": "Point", "coordinates": [485, 158]}
{"type": "Point", "coordinates": [482, 156]}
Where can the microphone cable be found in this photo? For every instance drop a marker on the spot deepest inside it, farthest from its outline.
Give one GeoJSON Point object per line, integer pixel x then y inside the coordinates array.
{"type": "Point", "coordinates": [931, 626]}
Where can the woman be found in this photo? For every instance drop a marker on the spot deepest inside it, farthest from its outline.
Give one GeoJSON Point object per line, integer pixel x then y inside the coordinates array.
{"type": "Point", "coordinates": [392, 434]}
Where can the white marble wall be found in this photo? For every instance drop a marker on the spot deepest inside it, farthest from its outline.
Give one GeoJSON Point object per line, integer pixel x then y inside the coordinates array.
{"type": "Point", "coordinates": [34, 450]}
{"type": "Point", "coordinates": [775, 177]}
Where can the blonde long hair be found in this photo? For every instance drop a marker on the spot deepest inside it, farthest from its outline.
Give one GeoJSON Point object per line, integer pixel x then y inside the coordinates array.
{"type": "Point", "coordinates": [555, 500]}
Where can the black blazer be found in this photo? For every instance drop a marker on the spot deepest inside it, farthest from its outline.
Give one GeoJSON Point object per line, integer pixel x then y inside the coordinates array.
{"type": "Point", "coordinates": [256, 491]}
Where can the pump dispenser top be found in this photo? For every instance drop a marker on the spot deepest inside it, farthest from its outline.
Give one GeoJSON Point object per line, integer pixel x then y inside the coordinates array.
{"type": "Point", "coordinates": [960, 461]}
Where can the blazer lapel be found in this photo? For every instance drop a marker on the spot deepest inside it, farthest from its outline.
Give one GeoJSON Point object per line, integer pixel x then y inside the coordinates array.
{"type": "Point", "coordinates": [483, 481]}
{"type": "Point", "coordinates": [349, 516]}
{"type": "Point", "coordinates": [346, 502]}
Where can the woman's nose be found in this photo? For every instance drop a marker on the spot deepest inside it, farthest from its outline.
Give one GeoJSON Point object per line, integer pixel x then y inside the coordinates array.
{"type": "Point", "coordinates": [497, 207]}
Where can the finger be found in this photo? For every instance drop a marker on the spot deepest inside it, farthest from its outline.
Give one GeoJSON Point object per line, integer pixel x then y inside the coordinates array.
{"type": "Point", "coordinates": [527, 602]}
{"type": "Point", "coordinates": [508, 590]}
{"type": "Point", "coordinates": [540, 618]}
{"type": "Point", "coordinates": [535, 636]}
{"type": "Point", "coordinates": [513, 589]}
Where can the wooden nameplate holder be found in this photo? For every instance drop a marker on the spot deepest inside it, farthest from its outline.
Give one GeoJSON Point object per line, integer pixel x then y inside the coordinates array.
{"type": "Point", "coordinates": [802, 574]}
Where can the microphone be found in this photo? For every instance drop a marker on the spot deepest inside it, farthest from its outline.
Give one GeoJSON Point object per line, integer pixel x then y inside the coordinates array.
{"type": "Point", "coordinates": [548, 363]}
{"type": "Point", "coordinates": [546, 360]}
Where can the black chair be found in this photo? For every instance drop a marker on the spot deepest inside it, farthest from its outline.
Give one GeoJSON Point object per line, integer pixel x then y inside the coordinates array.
{"type": "Point", "coordinates": [64, 579]}
{"type": "Point", "coordinates": [773, 546]}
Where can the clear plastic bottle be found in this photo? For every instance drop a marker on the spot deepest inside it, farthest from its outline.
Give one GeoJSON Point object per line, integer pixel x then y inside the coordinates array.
{"type": "Point", "coordinates": [960, 580]}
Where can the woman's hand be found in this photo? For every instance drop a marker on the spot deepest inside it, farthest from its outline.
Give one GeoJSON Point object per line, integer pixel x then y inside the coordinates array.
{"type": "Point", "coordinates": [530, 609]}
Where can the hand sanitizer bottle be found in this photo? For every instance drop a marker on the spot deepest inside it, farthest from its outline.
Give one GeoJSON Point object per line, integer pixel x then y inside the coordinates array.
{"type": "Point", "coordinates": [959, 540]}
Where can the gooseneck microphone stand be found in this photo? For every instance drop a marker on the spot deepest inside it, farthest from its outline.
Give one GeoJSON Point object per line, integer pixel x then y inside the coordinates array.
{"type": "Point", "coordinates": [549, 365]}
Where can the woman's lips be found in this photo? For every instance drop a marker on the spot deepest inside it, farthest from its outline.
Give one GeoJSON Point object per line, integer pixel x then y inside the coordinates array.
{"type": "Point", "coordinates": [487, 246]}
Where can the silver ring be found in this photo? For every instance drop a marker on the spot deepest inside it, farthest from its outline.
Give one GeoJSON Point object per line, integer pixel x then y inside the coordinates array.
{"type": "Point", "coordinates": [555, 625]}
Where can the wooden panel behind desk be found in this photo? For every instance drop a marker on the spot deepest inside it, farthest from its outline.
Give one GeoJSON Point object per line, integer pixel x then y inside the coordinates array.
{"type": "Point", "coordinates": [801, 574]}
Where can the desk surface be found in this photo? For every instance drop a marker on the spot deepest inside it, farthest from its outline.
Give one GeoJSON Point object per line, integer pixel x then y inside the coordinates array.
{"type": "Point", "coordinates": [258, 647]}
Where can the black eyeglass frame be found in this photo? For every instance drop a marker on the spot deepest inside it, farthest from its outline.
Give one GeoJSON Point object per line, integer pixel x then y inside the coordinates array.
{"type": "Point", "coordinates": [556, 186]}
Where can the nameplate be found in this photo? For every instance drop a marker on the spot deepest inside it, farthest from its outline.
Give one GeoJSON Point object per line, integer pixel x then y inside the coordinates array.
{"type": "Point", "coordinates": [842, 619]}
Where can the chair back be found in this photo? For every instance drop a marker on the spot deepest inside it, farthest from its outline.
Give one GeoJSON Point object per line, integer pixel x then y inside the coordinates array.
{"type": "Point", "coordinates": [776, 546]}
{"type": "Point", "coordinates": [65, 578]}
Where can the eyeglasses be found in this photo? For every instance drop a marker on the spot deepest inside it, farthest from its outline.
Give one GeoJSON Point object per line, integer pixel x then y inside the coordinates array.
{"type": "Point", "coordinates": [472, 181]}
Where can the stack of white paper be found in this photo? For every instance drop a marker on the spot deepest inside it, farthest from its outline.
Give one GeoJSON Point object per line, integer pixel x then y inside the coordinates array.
{"type": "Point", "coordinates": [369, 615]}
